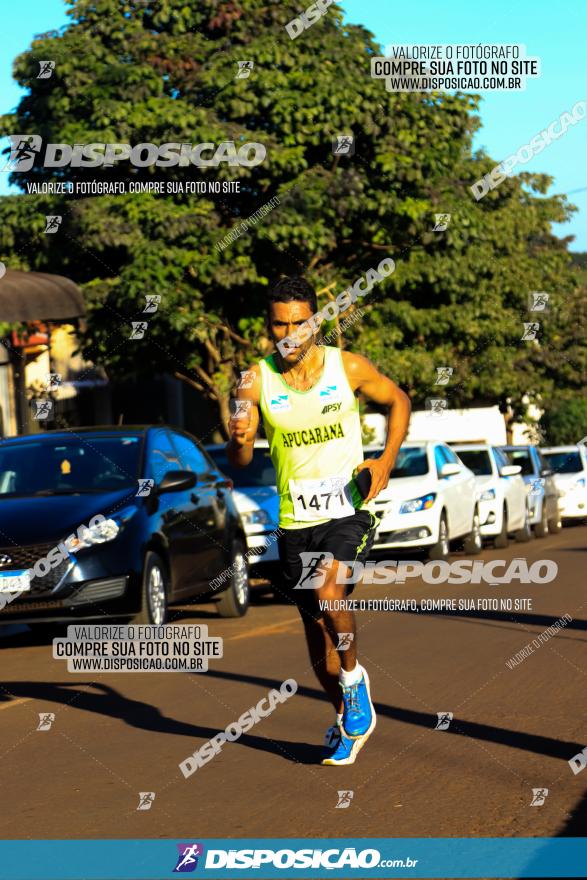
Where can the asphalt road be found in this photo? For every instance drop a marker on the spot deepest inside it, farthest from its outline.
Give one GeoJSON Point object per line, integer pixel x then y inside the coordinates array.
{"type": "Point", "coordinates": [513, 730]}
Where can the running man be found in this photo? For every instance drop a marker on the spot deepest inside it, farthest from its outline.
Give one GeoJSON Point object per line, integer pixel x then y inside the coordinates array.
{"type": "Point", "coordinates": [307, 396]}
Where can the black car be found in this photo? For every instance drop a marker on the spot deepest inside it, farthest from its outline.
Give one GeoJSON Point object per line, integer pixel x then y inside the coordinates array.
{"type": "Point", "coordinates": [115, 522]}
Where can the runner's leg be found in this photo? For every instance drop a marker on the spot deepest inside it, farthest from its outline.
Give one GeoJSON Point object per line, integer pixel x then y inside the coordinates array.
{"type": "Point", "coordinates": [324, 658]}
{"type": "Point", "coordinates": [338, 620]}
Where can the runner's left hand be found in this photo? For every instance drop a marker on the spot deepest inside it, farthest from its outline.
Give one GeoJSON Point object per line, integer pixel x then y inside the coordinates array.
{"type": "Point", "coordinates": [379, 476]}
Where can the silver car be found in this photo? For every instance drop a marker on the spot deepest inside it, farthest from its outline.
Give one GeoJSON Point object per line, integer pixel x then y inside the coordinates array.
{"type": "Point", "coordinates": [542, 491]}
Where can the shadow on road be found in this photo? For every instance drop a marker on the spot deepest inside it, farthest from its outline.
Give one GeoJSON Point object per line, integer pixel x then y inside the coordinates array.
{"type": "Point", "coordinates": [136, 713]}
{"type": "Point", "coordinates": [543, 620]}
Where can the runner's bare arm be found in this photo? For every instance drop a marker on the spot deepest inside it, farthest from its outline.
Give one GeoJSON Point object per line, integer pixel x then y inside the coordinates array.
{"type": "Point", "coordinates": [239, 449]}
{"type": "Point", "coordinates": [365, 378]}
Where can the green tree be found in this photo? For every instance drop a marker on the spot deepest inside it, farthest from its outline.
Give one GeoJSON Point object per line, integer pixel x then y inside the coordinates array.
{"type": "Point", "coordinates": [565, 422]}
{"type": "Point", "coordinates": [130, 71]}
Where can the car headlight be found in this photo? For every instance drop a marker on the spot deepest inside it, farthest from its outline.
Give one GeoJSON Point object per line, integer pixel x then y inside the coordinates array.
{"type": "Point", "coordinates": [99, 533]}
{"type": "Point", "coordinates": [421, 503]}
{"type": "Point", "coordinates": [104, 531]}
{"type": "Point", "coordinates": [487, 495]}
{"type": "Point", "coordinates": [255, 517]}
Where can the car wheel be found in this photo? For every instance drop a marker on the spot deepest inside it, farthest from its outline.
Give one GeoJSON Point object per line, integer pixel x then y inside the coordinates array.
{"type": "Point", "coordinates": [502, 540]}
{"type": "Point", "coordinates": [555, 523]}
{"type": "Point", "coordinates": [524, 534]}
{"type": "Point", "coordinates": [541, 528]}
{"type": "Point", "coordinates": [441, 549]}
{"type": "Point", "coordinates": [473, 543]}
{"type": "Point", "coordinates": [154, 591]}
{"type": "Point", "coordinates": [234, 601]}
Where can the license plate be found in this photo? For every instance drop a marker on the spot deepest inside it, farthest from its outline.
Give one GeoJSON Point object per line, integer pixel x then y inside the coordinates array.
{"type": "Point", "coordinates": [15, 581]}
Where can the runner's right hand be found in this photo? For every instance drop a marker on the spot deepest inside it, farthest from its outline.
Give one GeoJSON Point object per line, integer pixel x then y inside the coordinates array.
{"type": "Point", "coordinates": [238, 430]}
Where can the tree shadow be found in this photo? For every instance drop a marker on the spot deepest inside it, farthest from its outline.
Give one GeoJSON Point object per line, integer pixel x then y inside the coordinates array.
{"type": "Point", "coordinates": [136, 713]}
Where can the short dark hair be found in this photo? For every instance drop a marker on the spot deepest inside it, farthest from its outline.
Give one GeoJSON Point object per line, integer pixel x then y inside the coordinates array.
{"type": "Point", "coordinates": [293, 288]}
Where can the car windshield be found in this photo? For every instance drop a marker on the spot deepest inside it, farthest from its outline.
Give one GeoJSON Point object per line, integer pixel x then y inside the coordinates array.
{"type": "Point", "coordinates": [411, 461]}
{"type": "Point", "coordinates": [477, 460]}
{"type": "Point", "coordinates": [523, 458]}
{"type": "Point", "coordinates": [68, 465]}
{"type": "Point", "coordinates": [564, 462]}
{"type": "Point", "coordinates": [260, 472]}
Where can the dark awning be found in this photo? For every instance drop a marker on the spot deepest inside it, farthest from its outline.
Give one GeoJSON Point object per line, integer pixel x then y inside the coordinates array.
{"type": "Point", "coordinates": [37, 296]}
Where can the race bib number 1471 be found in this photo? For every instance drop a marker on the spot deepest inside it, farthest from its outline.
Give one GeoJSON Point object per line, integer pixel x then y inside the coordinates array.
{"type": "Point", "coordinates": [320, 499]}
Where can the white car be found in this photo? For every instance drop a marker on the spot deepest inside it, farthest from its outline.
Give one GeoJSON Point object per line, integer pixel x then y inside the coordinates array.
{"type": "Point", "coordinates": [502, 496]}
{"type": "Point", "coordinates": [569, 467]}
{"type": "Point", "coordinates": [431, 500]}
{"type": "Point", "coordinates": [257, 501]}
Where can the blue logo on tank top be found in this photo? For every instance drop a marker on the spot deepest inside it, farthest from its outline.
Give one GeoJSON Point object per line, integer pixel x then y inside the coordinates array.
{"type": "Point", "coordinates": [329, 391]}
{"type": "Point", "coordinates": [279, 403]}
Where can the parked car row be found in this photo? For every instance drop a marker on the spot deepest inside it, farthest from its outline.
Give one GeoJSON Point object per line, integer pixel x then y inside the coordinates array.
{"type": "Point", "coordinates": [171, 530]}
{"type": "Point", "coordinates": [122, 522]}
{"type": "Point", "coordinates": [440, 495]}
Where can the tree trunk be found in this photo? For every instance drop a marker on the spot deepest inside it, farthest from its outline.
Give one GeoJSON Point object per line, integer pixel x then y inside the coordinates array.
{"type": "Point", "coordinates": [224, 412]}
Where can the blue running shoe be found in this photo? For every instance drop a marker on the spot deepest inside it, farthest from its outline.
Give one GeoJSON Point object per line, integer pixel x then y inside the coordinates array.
{"type": "Point", "coordinates": [358, 715]}
{"type": "Point", "coordinates": [346, 750]}
{"type": "Point", "coordinates": [331, 741]}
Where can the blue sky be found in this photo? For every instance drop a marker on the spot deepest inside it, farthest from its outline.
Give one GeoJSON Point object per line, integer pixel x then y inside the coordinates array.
{"type": "Point", "coordinates": [556, 32]}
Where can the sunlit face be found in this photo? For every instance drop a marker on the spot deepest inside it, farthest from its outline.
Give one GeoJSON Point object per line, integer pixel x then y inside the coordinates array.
{"type": "Point", "coordinates": [284, 320]}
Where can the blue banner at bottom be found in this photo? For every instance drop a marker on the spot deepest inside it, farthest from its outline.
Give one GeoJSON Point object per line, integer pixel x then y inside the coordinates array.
{"type": "Point", "coordinates": [299, 857]}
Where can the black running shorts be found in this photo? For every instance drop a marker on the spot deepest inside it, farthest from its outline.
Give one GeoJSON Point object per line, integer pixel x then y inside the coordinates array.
{"type": "Point", "coordinates": [348, 539]}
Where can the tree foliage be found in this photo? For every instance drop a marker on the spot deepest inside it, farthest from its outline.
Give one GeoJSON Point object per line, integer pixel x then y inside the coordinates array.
{"type": "Point", "coordinates": [133, 71]}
